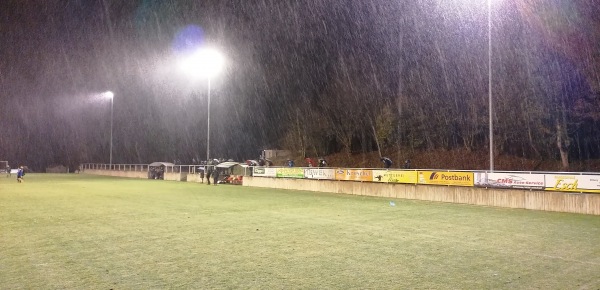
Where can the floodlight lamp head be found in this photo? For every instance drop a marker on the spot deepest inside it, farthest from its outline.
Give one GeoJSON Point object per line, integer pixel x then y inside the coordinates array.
{"type": "Point", "coordinates": [203, 63]}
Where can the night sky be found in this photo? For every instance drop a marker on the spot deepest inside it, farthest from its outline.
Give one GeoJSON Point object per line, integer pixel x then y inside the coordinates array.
{"type": "Point", "coordinates": [294, 71]}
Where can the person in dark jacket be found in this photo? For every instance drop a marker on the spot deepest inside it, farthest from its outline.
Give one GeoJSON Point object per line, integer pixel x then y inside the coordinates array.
{"type": "Point", "coordinates": [209, 171]}
{"type": "Point", "coordinates": [20, 174]}
{"type": "Point", "coordinates": [387, 162]}
{"type": "Point", "coordinates": [216, 176]}
{"type": "Point", "coordinates": [201, 171]}
{"type": "Point", "coordinates": [407, 164]}
{"type": "Point", "coordinates": [322, 162]}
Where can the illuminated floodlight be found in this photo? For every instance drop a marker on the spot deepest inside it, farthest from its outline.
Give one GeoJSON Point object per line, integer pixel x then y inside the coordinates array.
{"type": "Point", "coordinates": [203, 63]}
{"type": "Point", "coordinates": [108, 94]}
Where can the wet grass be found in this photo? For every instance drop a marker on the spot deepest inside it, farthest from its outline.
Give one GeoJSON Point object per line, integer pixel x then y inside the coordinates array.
{"type": "Point", "coordinates": [90, 232]}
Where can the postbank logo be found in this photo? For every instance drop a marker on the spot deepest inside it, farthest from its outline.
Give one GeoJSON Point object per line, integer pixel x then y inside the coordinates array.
{"type": "Point", "coordinates": [457, 178]}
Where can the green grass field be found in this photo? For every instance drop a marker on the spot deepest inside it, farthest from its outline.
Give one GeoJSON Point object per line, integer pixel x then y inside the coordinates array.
{"type": "Point", "coordinates": [91, 232]}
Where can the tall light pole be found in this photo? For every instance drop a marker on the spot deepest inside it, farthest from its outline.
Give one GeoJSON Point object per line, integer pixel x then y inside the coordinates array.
{"type": "Point", "coordinates": [490, 104]}
{"type": "Point", "coordinates": [204, 63]}
{"type": "Point", "coordinates": [208, 123]}
{"type": "Point", "coordinates": [111, 96]}
{"type": "Point", "coordinates": [491, 120]}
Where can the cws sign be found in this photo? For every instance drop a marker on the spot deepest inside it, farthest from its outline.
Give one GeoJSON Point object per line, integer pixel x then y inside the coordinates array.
{"type": "Point", "coordinates": [394, 176]}
{"type": "Point", "coordinates": [455, 178]}
{"type": "Point", "coordinates": [264, 172]}
{"type": "Point", "coordinates": [354, 174]}
{"type": "Point", "coordinates": [573, 183]}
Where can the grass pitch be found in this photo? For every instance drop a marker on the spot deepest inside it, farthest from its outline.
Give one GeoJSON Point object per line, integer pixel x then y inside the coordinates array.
{"type": "Point", "coordinates": [91, 232]}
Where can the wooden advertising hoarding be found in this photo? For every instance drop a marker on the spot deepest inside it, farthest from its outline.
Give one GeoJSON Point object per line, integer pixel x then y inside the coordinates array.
{"type": "Point", "coordinates": [573, 183]}
{"type": "Point", "coordinates": [354, 174]}
{"type": "Point", "coordinates": [456, 178]}
{"type": "Point", "coordinates": [394, 176]}
{"type": "Point", "coordinates": [509, 180]}
{"type": "Point", "coordinates": [319, 173]}
{"type": "Point", "coordinates": [264, 172]}
{"type": "Point", "coordinates": [290, 172]}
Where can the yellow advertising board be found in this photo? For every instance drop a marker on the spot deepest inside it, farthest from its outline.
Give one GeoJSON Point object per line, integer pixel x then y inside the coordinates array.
{"type": "Point", "coordinates": [354, 174]}
{"type": "Point", "coordinates": [394, 176]}
{"type": "Point", "coordinates": [456, 178]}
{"type": "Point", "coordinates": [573, 183]}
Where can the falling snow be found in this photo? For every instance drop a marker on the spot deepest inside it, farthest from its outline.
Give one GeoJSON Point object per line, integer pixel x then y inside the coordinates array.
{"type": "Point", "coordinates": [318, 77]}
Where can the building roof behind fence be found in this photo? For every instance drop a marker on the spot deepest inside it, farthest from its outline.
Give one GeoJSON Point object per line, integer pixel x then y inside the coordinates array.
{"type": "Point", "coordinates": [161, 164]}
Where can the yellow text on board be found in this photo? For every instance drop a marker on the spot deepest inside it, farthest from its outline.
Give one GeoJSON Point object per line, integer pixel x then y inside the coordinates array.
{"type": "Point", "coordinates": [574, 183]}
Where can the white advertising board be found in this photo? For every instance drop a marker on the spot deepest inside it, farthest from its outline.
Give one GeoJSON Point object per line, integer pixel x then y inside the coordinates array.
{"type": "Point", "coordinates": [264, 172]}
{"type": "Point", "coordinates": [319, 173]}
{"type": "Point", "coordinates": [509, 180]}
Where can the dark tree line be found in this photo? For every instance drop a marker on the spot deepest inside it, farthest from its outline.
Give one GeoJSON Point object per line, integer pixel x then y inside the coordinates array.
{"type": "Point", "coordinates": [427, 96]}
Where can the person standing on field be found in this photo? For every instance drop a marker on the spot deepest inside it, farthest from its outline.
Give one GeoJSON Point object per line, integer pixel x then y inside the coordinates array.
{"type": "Point", "coordinates": [216, 176]}
{"type": "Point", "coordinates": [20, 174]}
{"type": "Point", "coordinates": [202, 169]}
{"type": "Point", "coordinates": [209, 171]}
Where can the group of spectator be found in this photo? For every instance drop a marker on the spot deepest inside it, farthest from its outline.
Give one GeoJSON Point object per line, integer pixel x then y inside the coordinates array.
{"type": "Point", "coordinates": [387, 163]}
{"type": "Point", "coordinates": [157, 172]}
{"type": "Point", "coordinates": [259, 162]}
{"type": "Point", "coordinates": [311, 162]}
{"type": "Point", "coordinates": [210, 169]}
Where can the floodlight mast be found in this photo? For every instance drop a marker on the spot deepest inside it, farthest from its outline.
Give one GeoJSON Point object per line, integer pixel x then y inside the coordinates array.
{"type": "Point", "coordinates": [204, 63]}
{"type": "Point", "coordinates": [111, 96]}
{"type": "Point", "coordinates": [491, 119]}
